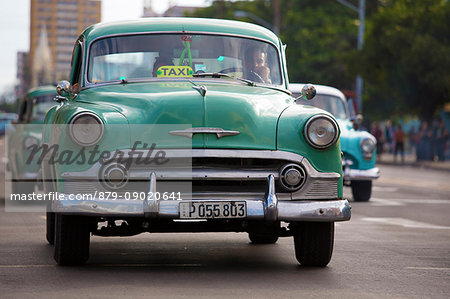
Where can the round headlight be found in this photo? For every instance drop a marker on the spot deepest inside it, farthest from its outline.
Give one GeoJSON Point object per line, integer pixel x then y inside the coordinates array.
{"type": "Point", "coordinates": [321, 131]}
{"type": "Point", "coordinates": [368, 144]}
{"type": "Point", "coordinates": [30, 141]}
{"type": "Point", "coordinates": [86, 129]}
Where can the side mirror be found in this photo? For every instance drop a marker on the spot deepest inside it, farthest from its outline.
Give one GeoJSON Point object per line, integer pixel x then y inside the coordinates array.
{"type": "Point", "coordinates": [308, 92]}
{"type": "Point", "coordinates": [356, 120]}
{"type": "Point", "coordinates": [64, 89]}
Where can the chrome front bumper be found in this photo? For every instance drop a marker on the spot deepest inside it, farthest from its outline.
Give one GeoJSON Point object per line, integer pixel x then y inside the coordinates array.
{"type": "Point", "coordinates": [361, 175]}
{"type": "Point", "coordinates": [268, 208]}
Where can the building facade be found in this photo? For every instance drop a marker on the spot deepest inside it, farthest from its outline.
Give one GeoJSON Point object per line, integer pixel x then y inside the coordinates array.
{"type": "Point", "coordinates": [23, 74]}
{"type": "Point", "coordinates": [62, 21]}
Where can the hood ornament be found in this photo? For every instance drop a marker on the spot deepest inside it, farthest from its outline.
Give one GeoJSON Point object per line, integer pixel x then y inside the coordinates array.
{"type": "Point", "coordinates": [189, 133]}
{"type": "Point", "coordinates": [201, 89]}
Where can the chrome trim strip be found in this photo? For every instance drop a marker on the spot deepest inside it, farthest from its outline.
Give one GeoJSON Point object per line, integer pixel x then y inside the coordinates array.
{"type": "Point", "coordinates": [28, 176]}
{"type": "Point", "coordinates": [204, 130]}
{"type": "Point", "coordinates": [361, 175]}
{"type": "Point", "coordinates": [204, 153]}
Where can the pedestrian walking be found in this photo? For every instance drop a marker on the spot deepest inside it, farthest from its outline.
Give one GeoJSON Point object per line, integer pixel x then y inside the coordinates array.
{"type": "Point", "coordinates": [378, 134]}
{"type": "Point", "coordinates": [441, 137]}
{"type": "Point", "coordinates": [399, 137]}
{"type": "Point", "coordinates": [412, 140]}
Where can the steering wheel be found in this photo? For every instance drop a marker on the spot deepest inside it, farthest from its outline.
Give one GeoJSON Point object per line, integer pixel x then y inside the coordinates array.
{"type": "Point", "coordinates": [250, 75]}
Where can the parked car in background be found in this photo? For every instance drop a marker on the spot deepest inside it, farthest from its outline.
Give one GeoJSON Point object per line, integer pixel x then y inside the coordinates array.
{"type": "Point", "coordinates": [214, 93]}
{"type": "Point", "coordinates": [357, 146]}
{"type": "Point", "coordinates": [6, 119]}
{"type": "Point", "coordinates": [25, 133]}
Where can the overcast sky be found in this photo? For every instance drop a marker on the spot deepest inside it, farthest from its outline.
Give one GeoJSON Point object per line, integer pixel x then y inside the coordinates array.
{"type": "Point", "coordinates": [15, 22]}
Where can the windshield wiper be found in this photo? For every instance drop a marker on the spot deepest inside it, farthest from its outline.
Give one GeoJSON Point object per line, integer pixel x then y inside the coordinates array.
{"type": "Point", "coordinates": [219, 75]}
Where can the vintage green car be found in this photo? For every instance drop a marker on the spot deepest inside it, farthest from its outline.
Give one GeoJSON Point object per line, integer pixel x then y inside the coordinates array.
{"type": "Point", "coordinates": [359, 147]}
{"type": "Point", "coordinates": [229, 150]}
{"type": "Point", "coordinates": [24, 134]}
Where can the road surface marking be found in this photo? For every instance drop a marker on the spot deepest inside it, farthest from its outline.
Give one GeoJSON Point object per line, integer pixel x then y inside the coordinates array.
{"type": "Point", "coordinates": [409, 182]}
{"type": "Point", "coordinates": [106, 265]}
{"type": "Point", "coordinates": [145, 265]}
{"type": "Point", "coordinates": [380, 202]}
{"type": "Point", "coordinates": [404, 222]}
{"type": "Point", "coordinates": [26, 266]}
{"type": "Point", "coordinates": [427, 201]}
{"type": "Point", "coordinates": [427, 268]}
{"type": "Point", "coordinates": [401, 202]}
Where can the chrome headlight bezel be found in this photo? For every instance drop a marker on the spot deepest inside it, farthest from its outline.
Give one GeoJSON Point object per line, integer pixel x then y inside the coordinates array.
{"type": "Point", "coordinates": [73, 126]}
{"type": "Point", "coordinates": [368, 144]}
{"type": "Point", "coordinates": [332, 125]}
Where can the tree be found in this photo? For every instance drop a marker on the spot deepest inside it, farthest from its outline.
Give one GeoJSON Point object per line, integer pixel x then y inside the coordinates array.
{"type": "Point", "coordinates": [318, 34]}
{"type": "Point", "coordinates": [405, 60]}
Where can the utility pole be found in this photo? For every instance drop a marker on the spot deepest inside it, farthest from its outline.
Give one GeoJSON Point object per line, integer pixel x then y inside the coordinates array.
{"type": "Point", "coordinates": [276, 16]}
{"type": "Point", "coordinates": [361, 14]}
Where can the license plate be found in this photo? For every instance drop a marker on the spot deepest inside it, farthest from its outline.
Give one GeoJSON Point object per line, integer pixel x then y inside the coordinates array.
{"type": "Point", "coordinates": [211, 210]}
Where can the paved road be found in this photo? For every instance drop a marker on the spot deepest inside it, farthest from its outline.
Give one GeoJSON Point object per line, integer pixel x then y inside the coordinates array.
{"type": "Point", "coordinates": [396, 246]}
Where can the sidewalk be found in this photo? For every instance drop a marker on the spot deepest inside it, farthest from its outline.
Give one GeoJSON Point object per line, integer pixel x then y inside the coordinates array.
{"type": "Point", "coordinates": [410, 160]}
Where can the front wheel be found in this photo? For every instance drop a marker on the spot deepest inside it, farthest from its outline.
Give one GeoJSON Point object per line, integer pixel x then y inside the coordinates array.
{"type": "Point", "coordinates": [71, 240]}
{"type": "Point", "coordinates": [361, 190]}
{"type": "Point", "coordinates": [313, 243]}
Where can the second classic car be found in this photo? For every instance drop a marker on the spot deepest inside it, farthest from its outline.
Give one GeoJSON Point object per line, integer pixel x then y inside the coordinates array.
{"type": "Point", "coordinates": [189, 127]}
{"type": "Point", "coordinates": [24, 134]}
{"type": "Point", "coordinates": [357, 146]}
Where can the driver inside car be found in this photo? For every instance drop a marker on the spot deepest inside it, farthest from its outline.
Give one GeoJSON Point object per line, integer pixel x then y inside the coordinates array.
{"type": "Point", "coordinates": [256, 68]}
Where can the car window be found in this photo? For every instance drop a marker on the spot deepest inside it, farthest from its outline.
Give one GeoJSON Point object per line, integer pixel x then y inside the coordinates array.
{"type": "Point", "coordinates": [142, 56]}
{"type": "Point", "coordinates": [332, 104]}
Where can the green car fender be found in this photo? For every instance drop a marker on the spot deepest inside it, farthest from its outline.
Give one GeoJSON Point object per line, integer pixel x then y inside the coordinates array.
{"type": "Point", "coordinates": [291, 123]}
{"type": "Point", "coordinates": [68, 158]}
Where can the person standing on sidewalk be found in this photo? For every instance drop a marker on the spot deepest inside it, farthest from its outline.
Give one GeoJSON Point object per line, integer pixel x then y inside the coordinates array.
{"type": "Point", "coordinates": [441, 137]}
{"type": "Point", "coordinates": [378, 134]}
{"type": "Point", "coordinates": [399, 137]}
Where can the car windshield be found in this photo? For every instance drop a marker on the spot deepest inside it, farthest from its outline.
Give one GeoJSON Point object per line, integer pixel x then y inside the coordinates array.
{"type": "Point", "coordinates": [329, 103]}
{"type": "Point", "coordinates": [41, 105]}
{"type": "Point", "coordinates": [159, 56]}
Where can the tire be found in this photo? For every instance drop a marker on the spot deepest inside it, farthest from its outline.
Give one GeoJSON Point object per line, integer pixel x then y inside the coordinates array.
{"type": "Point", "coordinates": [361, 190]}
{"type": "Point", "coordinates": [50, 234]}
{"type": "Point", "coordinates": [262, 238]}
{"type": "Point", "coordinates": [71, 240]}
{"type": "Point", "coordinates": [313, 243]}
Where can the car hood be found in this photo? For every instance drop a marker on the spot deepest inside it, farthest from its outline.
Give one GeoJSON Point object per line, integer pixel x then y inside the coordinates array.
{"type": "Point", "coordinates": [251, 111]}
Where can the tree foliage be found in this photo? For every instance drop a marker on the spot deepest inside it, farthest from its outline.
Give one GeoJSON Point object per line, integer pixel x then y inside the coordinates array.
{"type": "Point", "coordinates": [317, 33]}
{"type": "Point", "coordinates": [406, 58]}
{"type": "Point", "coordinates": [404, 62]}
